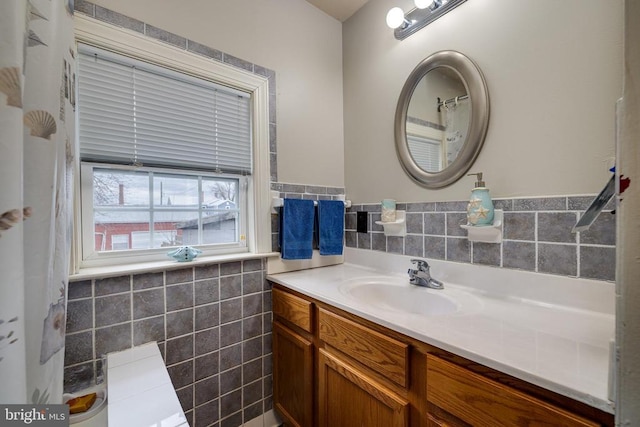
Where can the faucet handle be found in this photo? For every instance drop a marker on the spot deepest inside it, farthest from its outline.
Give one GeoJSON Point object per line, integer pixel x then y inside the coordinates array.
{"type": "Point", "coordinates": [422, 264]}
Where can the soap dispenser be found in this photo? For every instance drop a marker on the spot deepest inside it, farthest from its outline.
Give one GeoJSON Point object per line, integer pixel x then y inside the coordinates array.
{"type": "Point", "coordinates": [480, 208]}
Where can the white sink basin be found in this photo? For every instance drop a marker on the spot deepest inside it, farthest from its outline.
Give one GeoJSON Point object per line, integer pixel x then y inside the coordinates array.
{"type": "Point", "coordinates": [395, 296]}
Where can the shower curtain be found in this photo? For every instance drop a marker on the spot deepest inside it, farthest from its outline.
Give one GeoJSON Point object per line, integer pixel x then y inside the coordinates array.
{"type": "Point", "coordinates": [456, 119]}
{"type": "Point", "coordinates": [37, 102]}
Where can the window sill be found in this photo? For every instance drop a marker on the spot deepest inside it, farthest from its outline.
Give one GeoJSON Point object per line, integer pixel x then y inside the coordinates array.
{"type": "Point", "coordinates": [146, 267]}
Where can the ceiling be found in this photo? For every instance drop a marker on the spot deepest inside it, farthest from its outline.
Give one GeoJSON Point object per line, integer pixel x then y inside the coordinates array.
{"type": "Point", "coordinates": [339, 9]}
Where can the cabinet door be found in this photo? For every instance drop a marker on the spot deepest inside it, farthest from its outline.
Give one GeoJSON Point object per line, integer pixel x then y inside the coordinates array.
{"type": "Point", "coordinates": [292, 376]}
{"type": "Point", "coordinates": [348, 398]}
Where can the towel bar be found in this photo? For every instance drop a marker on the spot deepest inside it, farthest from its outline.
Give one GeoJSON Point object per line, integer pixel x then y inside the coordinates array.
{"type": "Point", "coordinates": [277, 202]}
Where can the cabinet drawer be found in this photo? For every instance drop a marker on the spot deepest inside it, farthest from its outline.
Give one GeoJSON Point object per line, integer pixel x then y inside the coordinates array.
{"type": "Point", "coordinates": [380, 353]}
{"type": "Point", "coordinates": [292, 308]}
{"type": "Point", "coordinates": [481, 401]}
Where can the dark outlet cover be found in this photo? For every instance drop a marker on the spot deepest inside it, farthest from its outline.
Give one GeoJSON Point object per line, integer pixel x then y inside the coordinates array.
{"type": "Point", "coordinates": [362, 220]}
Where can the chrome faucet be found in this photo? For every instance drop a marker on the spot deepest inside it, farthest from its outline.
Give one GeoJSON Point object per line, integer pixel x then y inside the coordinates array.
{"type": "Point", "coordinates": [421, 275]}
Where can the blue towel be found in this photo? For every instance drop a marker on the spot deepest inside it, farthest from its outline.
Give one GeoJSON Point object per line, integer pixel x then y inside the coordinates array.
{"type": "Point", "coordinates": [296, 229]}
{"type": "Point", "coordinates": [330, 226]}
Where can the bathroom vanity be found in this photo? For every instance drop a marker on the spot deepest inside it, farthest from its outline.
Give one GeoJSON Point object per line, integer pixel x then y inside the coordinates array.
{"type": "Point", "coordinates": [344, 354]}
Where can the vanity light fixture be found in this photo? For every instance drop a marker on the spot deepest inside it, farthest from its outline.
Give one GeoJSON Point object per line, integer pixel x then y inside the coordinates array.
{"type": "Point", "coordinates": [425, 12]}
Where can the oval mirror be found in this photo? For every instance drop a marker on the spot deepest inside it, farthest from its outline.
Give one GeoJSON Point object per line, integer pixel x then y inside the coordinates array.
{"type": "Point", "coordinates": [442, 119]}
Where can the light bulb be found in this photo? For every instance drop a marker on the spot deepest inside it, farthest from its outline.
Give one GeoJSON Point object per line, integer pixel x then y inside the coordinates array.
{"type": "Point", "coordinates": [423, 4]}
{"type": "Point", "coordinates": [395, 17]}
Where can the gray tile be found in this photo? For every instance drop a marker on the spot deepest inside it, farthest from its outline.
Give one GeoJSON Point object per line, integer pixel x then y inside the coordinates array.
{"type": "Point", "coordinates": [211, 271]}
{"type": "Point", "coordinates": [267, 318]}
{"type": "Point", "coordinates": [452, 206]}
{"type": "Point", "coordinates": [413, 245]}
{"type": "Point", "coordinates": [230, 358]}
{"type": "Point", "coordinates": [118, 19]}
{"type": "Point", "coordinates": [350, 221]}
{"type": "Point", "coordinates": [364, 240]}
{"type": "Point", "coordinates": [147, 281]}
{"type": "Point", "coordinates": [207, 390]}
{"type": "Point", "coordinates": [231, 403]}
{"type": "Point", "coordinates": [233, 420]}
{"type": "Point", "coordinates": [520, 255]}
{"type": "Point", "coordinates": [148, 303]}
{"type": "Point", "coordinates": [231, 333]}
{"type": "Point", "coordinates": [252, 265]}
{"type": "Point", "coordinates": [229, 268]}
{"type": "Point", "coordinates": [421, 207]}
{"type": "Point", "coordinates": [179, 296]}
{"type": "Point", "coordinates": [519, 225]}
{"type": "Point", "coordinates": [557, 259]}
{"type": "Point", "coordinates": [374, 222]}
{"type": "Point", "coordinates": [395, 245]}
{"type": "Point", "coordinates": [540, 204]}
{"type": "Point", "coordinates": [556, 227]}
{"type": "Point", "coordinates": [188, 415]}
{"type": "Point", "coordinates": [251, 393]}
{"type": "Point", "coordinates": [165, 36]}
{"type": "Point", "coordinates": [179, 323]}
{"type": "Point", "coordinates": [314, 189]}
{"type": "Point", "coordinates": [84, 7]}
{"type": "Point", "coordinates": [78, 347]}
{"type": "Point", "coordinates": [273, 157]}
{"type": "Point", "coordinates": [504, 204]}
{"type": "Point", "coordinates": [252, 411]}
{"type": "Point", "coordinates": [179, 349]}
{"type": "Point", "coordinates": [79, 377]}
{"type": "Point", "coordinates": [334, 191]}
{"type": "Point", "coordinates": [207, 414]}
{"type": "Point", "coordinates": [251, 327]}
{"type": "Point", "coordinates": [207, 341]}
{"type": "Point", "coordinates": [183, 275]}
{"type": "Point", "coordinates": [598, 262]}
{"type": "Point", "coordinates": [203, 50]}
{"type": "Point", "coordinates": [273, 138]}
{"type": "Point", "coordinates": [434, 223]}
{"type": "Point", "coordinates": [185, 396]}
{"type": "Point", "coordinates": [434, 247]}
{"type": "Point", "coordinates": [454, 220]}
{"type": "Point", "coordinates": [207, 316]}
{"type": "Point", "coordinates": [112, 285]}
{"type": "Point", "coordinates": [267, 385]}
{"type": "Point", "coordinates": [486, 253]}
{"type": "Point", "coordinates": [81, 289]}
{"type": "Point", "coordinates": [230, 286]}
{"type": "Point", "coordinates": [181, 374]}
{"type": "Point", "coordinates": [378, 242]}
{"type": "Point", "coordinates": [414, 223]}
{"type": "Point", "coordinates": [230, 310]}
{"type": "Point", "coordinates": [251, 305]}
{"type": "Point", "coordinates": [267, 344]}
{"type": "Point", "coordinates": [251, 282]}
{"type": "Point", "coordinates": [206, 291]}
{"type": "Point", "coordinates": [350, 239]}
{"type": "Point", "coordinates": [237, 62]}
{"type": "Point", "coordinates": [113, 338]}
{"type": "Point", "coordinates": [252, 371]}
{"type": "Point", "coordinates": [458, 250]}
{"type": "Point", "coordinates": [147, 330]}
{"type": "Point", "coordinates": [601, 232]}
{"type": "Point", "coordinates": [79, 315]}
{"type": "Point", "coordinates": [207, 365]}
{"type": "Point", "coordinates": [267, 364]}
{"type": "Point", "coordinates": [579, 203]}
{"type": "Point", "coordinates": [112, 309]}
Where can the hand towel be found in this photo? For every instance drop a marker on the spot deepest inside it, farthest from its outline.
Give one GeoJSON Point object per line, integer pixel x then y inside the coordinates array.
{"type": "Point", "coordinates": [296, 229]}
{"type": "Point", "coordinates": [331, 226]}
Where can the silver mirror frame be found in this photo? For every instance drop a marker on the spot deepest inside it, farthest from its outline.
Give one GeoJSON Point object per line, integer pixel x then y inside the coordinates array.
{"type": "Point", "coordinates": [478, 123]}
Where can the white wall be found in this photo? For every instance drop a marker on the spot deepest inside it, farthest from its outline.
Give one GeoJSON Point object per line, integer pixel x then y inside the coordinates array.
{"type": "Point", "coordinates": [554, 72]}
{"type": "Point", "coordinates": [299, 42]}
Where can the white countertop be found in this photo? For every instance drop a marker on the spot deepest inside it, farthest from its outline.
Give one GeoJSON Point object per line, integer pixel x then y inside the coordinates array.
{"type": "Point", "coordinates": [551, 331]}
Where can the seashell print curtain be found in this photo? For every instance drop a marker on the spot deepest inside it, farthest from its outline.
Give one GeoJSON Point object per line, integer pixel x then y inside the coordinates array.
{"type": "Point", "coordinates": [37, 102]}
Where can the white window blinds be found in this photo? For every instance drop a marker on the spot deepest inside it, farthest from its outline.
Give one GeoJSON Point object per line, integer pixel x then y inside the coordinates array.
{"type": "Point", "coordinates": [136, 113]}
{"type": "Point", "coordinates": [426, 152]}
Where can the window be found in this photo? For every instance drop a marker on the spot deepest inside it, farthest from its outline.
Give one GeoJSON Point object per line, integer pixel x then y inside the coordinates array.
{"type": "Point", "coordinates": [168, 157]}
{"type": "Point", "coordinates": [426, 152]}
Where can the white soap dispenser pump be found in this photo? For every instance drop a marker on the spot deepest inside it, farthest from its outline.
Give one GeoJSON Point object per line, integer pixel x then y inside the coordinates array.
{"type": "Point", "coordinates": [480, 209]}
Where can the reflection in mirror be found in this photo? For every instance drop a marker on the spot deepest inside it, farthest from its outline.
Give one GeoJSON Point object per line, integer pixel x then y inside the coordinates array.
{"type": "Point", "coordinates": [441, 119]}
{"type": "Point", "coordinates": [437, 119]}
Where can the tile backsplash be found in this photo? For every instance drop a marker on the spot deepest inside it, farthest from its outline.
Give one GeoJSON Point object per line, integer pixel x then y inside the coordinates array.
{"type": "Point", "coordinates": [212, 324]}
{"type": "Point", "coordinates": [536, 236]}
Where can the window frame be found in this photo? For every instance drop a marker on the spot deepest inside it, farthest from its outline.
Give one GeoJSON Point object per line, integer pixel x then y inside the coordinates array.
{"type": "Point", "coordinates": [105, 36]}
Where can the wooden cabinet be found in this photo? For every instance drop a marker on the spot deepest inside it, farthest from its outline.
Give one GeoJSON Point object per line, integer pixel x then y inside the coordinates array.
{"type": "Point", "coordinates": [334, 369]}
{"type": "Point", "coordinates": [349, 398]}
